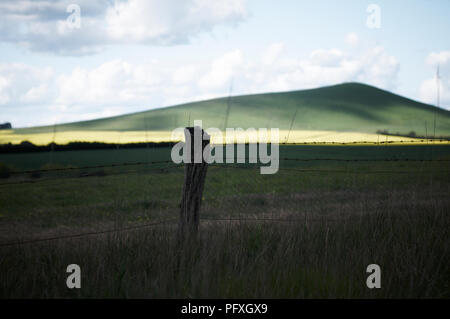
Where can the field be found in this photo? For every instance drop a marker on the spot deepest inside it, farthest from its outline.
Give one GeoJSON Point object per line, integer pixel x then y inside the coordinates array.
{"type": "Point", "coordinates": [285, 136]}
{"type": "Point", "coordinates": [308, 231]}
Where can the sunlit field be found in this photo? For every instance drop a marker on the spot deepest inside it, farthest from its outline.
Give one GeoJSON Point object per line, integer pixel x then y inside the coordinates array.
{"type": "Point", "coordinates": [244, 136]}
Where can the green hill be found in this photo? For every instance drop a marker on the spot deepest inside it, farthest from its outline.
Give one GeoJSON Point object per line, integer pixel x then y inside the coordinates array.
{"type": "Point", "coordinates": [348, 107]}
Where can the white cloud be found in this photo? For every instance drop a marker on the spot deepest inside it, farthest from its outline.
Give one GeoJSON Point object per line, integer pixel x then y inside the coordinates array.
{"type": "Point", "coordinates": [111, 83]}
{"type": "Point", "coordinates": [222, 70]}
{"type": "Point", "coordinates": [41, 25]}
{"type": "Point", "coordinates": [378, 68]}
{"type": "Point", "coordinates": [352, 38]}
{"type": "Point", "coordinates": [184, 74]}
{"type": "Point", "coordinates": [428, 92]}
{"type": "Point", "coordinates": [326, 58]}
{"type": "Point", "coordinates": [272, 53]}
{"type": "Point", "coordinates": [326, 67]}
{"type": "Point", "coordinates": [441, 58]}
{"type": "Point", "coordinates": [169, 21]}
{"type": "Point", "coordinates": [4, 86]}
{"type": "Point", "coordinates": [36, 94]}
{"type": "Point", "coordinates": [31, 95]}
{"type": "Point", "coordinates": [21, 83]}
{"type": "Point", "coordinates": [428, 88]}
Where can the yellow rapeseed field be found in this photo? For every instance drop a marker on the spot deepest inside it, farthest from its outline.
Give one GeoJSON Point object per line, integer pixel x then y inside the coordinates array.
{"type": "Point", "coordinates": [303, 136]}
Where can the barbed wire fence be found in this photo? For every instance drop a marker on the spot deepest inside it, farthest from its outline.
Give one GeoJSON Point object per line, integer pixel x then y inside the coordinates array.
{"type": "Point", "coordinates": [249, 195]}
{"type": "Point", "coordinates": [170, 165]}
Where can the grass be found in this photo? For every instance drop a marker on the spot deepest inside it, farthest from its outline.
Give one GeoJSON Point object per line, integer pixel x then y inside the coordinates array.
{"type": "Point", "coordinates": [299, 259]}
{"type": "Point", "coordinates": [347, 111]}
{"type": "Point", "coordinates": [338, 217]}
{"type": "Point", "coordinates": [81, 158]}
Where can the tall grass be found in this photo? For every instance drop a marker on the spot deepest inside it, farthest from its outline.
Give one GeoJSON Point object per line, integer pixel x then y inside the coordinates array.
{"type": "Point", "coordinates": [405, 231]}
{"type": "Point", "coordinates": [333, 220]}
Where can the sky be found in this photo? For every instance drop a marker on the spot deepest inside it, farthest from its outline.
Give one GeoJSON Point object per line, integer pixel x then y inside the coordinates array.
{"type": "Point", "coordinates": [64, 61]}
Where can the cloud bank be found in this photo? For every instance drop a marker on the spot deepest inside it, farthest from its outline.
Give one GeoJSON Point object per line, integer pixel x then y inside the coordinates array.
{"type": "Point", "coordinates": [41, 25]}
{"type": "Point", "coordinates": [119, 86]}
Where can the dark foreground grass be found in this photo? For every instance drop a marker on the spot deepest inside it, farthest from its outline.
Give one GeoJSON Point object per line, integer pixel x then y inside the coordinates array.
{"type": "Point", "coordinates": [82, 158]}
{"type": "Point", "coordinates": [319, 247]}
{"type": "Point", "coordinates": [316, 259]}
{"type": "Point", "coordinates": [329, 221]}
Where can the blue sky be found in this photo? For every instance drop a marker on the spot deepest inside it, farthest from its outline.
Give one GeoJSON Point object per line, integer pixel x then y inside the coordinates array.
{"type": "Point", "coordinates": [134, 55]}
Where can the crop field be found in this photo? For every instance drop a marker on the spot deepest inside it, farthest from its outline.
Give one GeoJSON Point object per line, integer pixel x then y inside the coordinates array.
{"type": "Point", "coordinates": [308, 231]}
{"type": "Point", "coordinates": [285, 136]}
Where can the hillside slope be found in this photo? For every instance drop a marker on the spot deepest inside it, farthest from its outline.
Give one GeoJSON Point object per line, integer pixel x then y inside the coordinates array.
{"type": "Point", "coordinates": [348, 107]}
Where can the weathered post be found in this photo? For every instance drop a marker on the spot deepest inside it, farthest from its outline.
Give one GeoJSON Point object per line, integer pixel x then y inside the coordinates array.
{"type": "Point", "coordinates": [195, 168]}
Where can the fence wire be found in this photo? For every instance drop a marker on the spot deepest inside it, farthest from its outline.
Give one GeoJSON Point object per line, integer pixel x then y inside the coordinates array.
{"type": "Point", "coordinates": [247, 196]}
{"type": "Point", "coordinates": [86, 234]}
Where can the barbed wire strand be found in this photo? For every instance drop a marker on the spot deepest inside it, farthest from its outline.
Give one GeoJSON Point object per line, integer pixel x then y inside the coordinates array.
{"type": "Point", "coordinates": [244, 166]}
{"type": "Point", "coordinates": [40, 180]}
{"type": "Point", "coordinates": [281, 159]}
{"type": "Point", "coordinates": [86, 234]}
{"type": "Point", "coordinates": [88, 167]}
{"type": "Point", "coordinates": [330, 170]}
{"type": "Point", "coordinates": [81, 235]}
{"type": "Point", "coordinates": [32, 241]}
{"type": "Point", "coordinates": [280, 219]}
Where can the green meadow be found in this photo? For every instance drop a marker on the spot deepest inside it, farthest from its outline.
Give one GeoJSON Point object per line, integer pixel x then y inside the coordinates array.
{"type": "Point", "coordinates": [308, 231]}
{"type": "Point", "coordinates": [81, 158]}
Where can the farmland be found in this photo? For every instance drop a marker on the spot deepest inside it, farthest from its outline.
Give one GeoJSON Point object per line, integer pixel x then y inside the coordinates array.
{"type": "Point", "coordinates": [308, 231]}
{"type": "Point", "coordinates": [294, 136]}
{"type": "Point", "coordinates": [219, 158]}
{"type": "Point", "coordinates": [361, 181]}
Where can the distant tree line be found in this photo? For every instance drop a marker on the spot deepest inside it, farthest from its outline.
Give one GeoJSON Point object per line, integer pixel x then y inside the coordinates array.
{"type": "Point", "coordinates": [26, 146]}
{"type": "Point", "coordinates": [412, 134]}
{"type": "Point", "coordinates": [5, 126]}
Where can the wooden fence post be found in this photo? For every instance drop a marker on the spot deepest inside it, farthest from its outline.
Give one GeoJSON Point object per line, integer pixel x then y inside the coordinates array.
{"type": "Point", "coordinates": [194, 180]}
